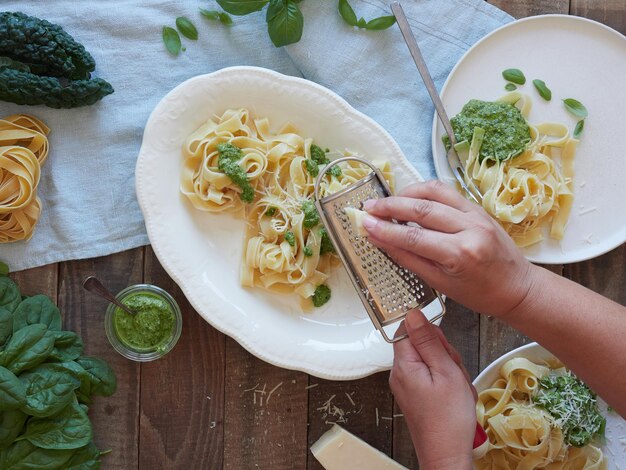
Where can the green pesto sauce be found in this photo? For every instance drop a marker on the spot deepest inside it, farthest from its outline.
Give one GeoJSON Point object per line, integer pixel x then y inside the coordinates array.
{"type": "Point", "coordinates": [228, 164]}
{"type": "Point", "coordinates": [150, 328]}
{"type": "Point", "coordinates": [321, 295]}
{"type": "Point", "coordinates": [506, 131]}
{"type": "Point", "coordinates": [311, 217]}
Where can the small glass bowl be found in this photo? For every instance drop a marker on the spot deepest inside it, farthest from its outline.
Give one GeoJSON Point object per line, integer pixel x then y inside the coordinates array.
{"type": "Point", "coordinates": [143, 355]}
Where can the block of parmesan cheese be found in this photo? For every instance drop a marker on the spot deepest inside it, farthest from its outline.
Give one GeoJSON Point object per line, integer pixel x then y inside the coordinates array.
{"type": "Point", "coordinates": [337, 449]}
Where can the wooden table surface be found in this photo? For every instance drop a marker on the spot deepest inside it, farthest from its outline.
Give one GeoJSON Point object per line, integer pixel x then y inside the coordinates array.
{"type": "Point", "coordinates": [201, 406]}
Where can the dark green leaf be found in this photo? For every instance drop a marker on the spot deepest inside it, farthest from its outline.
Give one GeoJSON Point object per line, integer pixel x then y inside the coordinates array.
{"type": "Point", "coordinates": [37, 309]}
{"type": "Point", "coordinates": [69, 429]}
{"type": "Point", "coordinates": [576, 108]}
{"type": "Point", "coordinates": [85, 458]}
{"type": "Point", "coordinates": [49, 389]}
{"type": "Point", "coordinates": [10, 296]}
{"type": "Point", "coordinates": [382, 22]}
{"type": "Point", "coordinates": [6, 325]}
{"type": "Point", "coordinates": [186, 28]}
{"type": "Point", "coordinates": [225, 18]}
{"type": "Point", "coordinates": [286, 24]}
{"type": "Point", "coordinates": [67, 346]}
{"type": "Point", "coordinates": [510, 87]}
{"type": "Point", "coordinates": [102, 377]}
{"type": "Point", "coordinates": [578, 130]}
{"type": "Point", "coordinates": [27, 348]}
{"type": "Point", "coordinates": [4, 268]}
{"type": "Point", "coordinates": [210, 14]}
{"type": "Point", "coordinates": [361, 23]}
{"type": "Point", "coordinates": [12, 391]}
{"type": "Point", "coordinates": [11, 425]}
{"type": "Point", "coordinates": [514, 75]}
{"type": "Point", "coordinates": [543, 90]}
{"type": "Point", "coordinates": [84, 392]}
{"type": "Point", "coordinates": [242, 7]}
{"type": "Point", "coordinates": [23, 455]}
{"type": "Point", "coordinates": [171, 40]}
{"type": "Point", "coordinates": [347, 12]}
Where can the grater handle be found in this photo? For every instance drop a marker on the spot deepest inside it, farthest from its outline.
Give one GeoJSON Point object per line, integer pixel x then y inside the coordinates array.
{"type": "Point", "coordinates": [325, 170]}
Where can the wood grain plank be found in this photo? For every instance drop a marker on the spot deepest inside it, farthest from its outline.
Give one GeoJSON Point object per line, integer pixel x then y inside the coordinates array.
{"type": "Point", "coordinates": [605, 274]}
{"type": "Point", "coordinates": [364, 407]}
{"type": "Point", "coordinates": [42, 280]}
{"type": "Point", "coordinates": [115, 419]}
{"type": "Point", "coordinates": [182, 394]}
{"type": "Point", "coordinates": [523, 8]}
{"type": "Point", "coordinates": [609, 12]}
{"type": "Point", "coordinates": [263, 431]}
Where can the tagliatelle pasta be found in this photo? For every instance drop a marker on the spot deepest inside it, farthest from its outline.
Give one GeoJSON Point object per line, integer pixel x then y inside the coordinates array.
{"type": "Point", "coordinates": [528, 190]}
{"type": "Point", "coordinates": [285, 247]}
{"type": "Point", "coordinates": [23, 149]}
{"type": "Point", "coordinates": [523, 436]}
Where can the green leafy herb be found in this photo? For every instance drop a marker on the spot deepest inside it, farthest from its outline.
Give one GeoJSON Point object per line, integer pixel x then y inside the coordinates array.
{"type": "Point", "coordinates": [578, 130]}
{"type": "Point", "coordinates": [307, 251]}
{"type": "Point", "coordinates": [311, 217]}
{"type": "Point", "coordinates": [4, 268]}
{"type": "Point", "coordinates": [271, 211]}
{"type": "Point", "coordinates": [321, 295]}
{"type": "Point", "coordinates": [67, 346]}
{"type": "Point", "coordinates": [215, 15]}
{"type": "Point", "coordinates": [11, 425]}
{"type": "Point", "coordinates": [228, 164]}
{"type": "Point", "coordinates": [10, 296]}
{"type": "Point", "coordinates": [186, 28]}
{"type": "Point", "coordinates": [576, 108]}
{"type": "Point", "coordinates": [543, 90]}
{"type": "Point", "coordinates": [510, 87]}
{"type": "Point", "coordinates": [326, 246]}
{"type": "Point", "coordinates": [49, 389]}
{"type": "Point", "coordinates": [37, 309]}
{"type": "Point", "coordinates": [102, 377]}
{"type": "Point", "coordinates": [380, 23]}
{"type": "Point", "coordinates": [6, 326]}
{"type": "Point", "coordinates": [12, 391]}
{"type": "Point", "coordinates": [514, 75]}
{"type": "Point", "coordinates": [349, 16]}
{"type": "Point", "coordinates": [242, 7]}
{"type": "Point", "coordinates": [291, 238]}
{"type": "Point", "coordinates": [347, 12]}
{"type": "Point", "coordinates": [24, 455]}
{"type": "Point", "coordinates": [171, 39]}
{"type": "Point", "coordinates": [336, 171]}
{"type": "Point", "coordinates": [85, 458]}
{"type": "Point", "coordinates": [27, 348]}
{"type": "Point", "coordinates": [284, 22]}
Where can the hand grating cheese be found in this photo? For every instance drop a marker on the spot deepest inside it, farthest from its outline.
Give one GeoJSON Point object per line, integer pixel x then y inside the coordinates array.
{"type": "Point", "coordinates": [337, 449]}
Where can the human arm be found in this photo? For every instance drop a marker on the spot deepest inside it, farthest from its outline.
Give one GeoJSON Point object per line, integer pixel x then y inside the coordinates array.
{"type": "Point", "coordinates": [461, 251]}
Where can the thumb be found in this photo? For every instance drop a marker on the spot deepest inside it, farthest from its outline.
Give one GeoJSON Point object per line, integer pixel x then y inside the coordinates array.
{"type": "Point", "coordinates": [426, 341]}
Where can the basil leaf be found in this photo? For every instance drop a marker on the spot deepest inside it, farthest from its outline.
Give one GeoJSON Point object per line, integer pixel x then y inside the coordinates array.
{"type": "Point", "coordinates": [578, 130]}
{"type": "Point", "coordinates": [6, 325]}
{"type": "Point", "coordinates": [215, 15]}
{"type": "Point", "coordinates": [49, 388]}
{"type": "Point", "coordinates": [186, 28]}
{"type": "Point", "coordinates": [361, 23]}
{"type": "Point", "coordinates": [4, 268]}
{"type": "Point", "coordinates": [10, 296]}
{"type": "Point", "coordinates": [101, 376]}
{"type": "Point", "coordinates": [543, 90]}
{"type": "Point", "coordinates": [576, 107]}
{"type": "Point", "coordinates": [11, 425]}
{"type": "Point", "coordinates": [27, 348]}
{"type": "Point", "coordinates": [514, 75]}
{"type": "Point", "coordinates": [12, 391]}
{"type": "Point", "coordinates": [286, 22]}
{"type": "Point", "coordinates": [37, 309]}
{"type": "Point", "coordinates": [225, 18]}
{"type": "Point", "coordinates": [171, 39]}
{"type": "Point", "coordinates": [510, 87]}
{"type": "Point", "coordinates": [380, 23]}
{"type": "Point", "coordinates": [85, 458]}
{"type": "Point", "coordinates": [347, 12]}
{"type": "Point", "coordinates": [241, 7]}
{"type": "Point", "coordinates": [67, 346]}
{"type": "Point", "coordinates": [69, 429]}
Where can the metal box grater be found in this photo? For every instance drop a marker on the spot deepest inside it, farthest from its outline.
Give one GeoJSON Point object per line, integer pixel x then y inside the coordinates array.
{"type": "Point", "coordinates": [388, 291]}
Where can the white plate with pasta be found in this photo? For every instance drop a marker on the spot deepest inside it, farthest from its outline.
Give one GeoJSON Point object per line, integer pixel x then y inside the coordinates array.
{"type": "Point", "coordinates": [203, 247]}
{"type": "Point", "coordinates": [506, 420]}
{"type": "Point", "coordinates": [554, 49]}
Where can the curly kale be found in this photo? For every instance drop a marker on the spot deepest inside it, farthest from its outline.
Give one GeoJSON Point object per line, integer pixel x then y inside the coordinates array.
{"type": "Point", "coordinates": [44, 46]}
{"type": "Point", "coordinates": [22, 87]}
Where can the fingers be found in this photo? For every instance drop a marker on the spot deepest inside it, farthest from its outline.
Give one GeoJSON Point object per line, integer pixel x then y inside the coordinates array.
{"type": "Point", "coordinates": [403, 350]}
{"type": "Point", "coordinates": [426, 341]}
{"type": "Point", "coordinates": [436, 190]}
{"type": "Point", "coordinates": [454, 354]}
{"type": "Point", "coordinates": [428, 214]}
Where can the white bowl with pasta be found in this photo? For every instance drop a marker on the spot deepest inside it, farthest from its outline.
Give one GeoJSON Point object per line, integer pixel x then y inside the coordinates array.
{"type": "Point", "coordinates": [614, 446]}
{"type": "Point", "coordinates": [202, 251]}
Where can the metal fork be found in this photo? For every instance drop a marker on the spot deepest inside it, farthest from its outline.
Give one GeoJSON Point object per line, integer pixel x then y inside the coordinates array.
{"type": "Point", "coordinates": [453, 158]}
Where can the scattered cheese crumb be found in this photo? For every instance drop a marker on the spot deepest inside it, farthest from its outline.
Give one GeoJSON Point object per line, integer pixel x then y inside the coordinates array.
{"type": "Point", "coordinates": [350, 398]}
{"type": "Point", "coordinates": [272, 391]}
{"type": "Point", "coordinates": [377, 417]}
{"type": "Point", "coordinates": [586, 211]}
{"type": "Point", "coordinates": [212, 425]}
{"type": "Point", "coordinates": [311, 386]}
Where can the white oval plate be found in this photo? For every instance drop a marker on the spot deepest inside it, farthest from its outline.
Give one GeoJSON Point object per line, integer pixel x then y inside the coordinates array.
{"type": "Point", "coordinates": [577, 58]}
{"type": "Point", "coordinates": [202, 252]}
{"type": "Point", "coordinates": [615, 425]}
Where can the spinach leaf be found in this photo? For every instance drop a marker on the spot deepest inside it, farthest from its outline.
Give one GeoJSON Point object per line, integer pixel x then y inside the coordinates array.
{"type": "Point", "coordinates": [576, 108]}
{"type": "Point", "coordinates": [27, 348]}
{"type": "Point", "coordinates": [23, 455]}
{"type": "Point", "coordinates": [69, 429]}
{"type": "Point", "coordinates": [6, 325]}
{"type": "Point", "coordinates": [37, 309]}
{"type": "Point", "coordinates": [4, 268]}
{"type": "Point", "coordinates": [85, 458]}
{"type": "Point", "coordinates": [9, 294]}
{"type": "Point", "coordinates": [171, 39]}
{"type": "Point", "coordinates": [101, 376]}
{"type": "Point", "coordinates": [12, 391]}
{"type": "Point", "coordinates": [241, 7]}
{"type": "Point", "coordinates": [347, 12]}
{"type": "Point", "coordinates": [284, 22]}
{"type": "Point", "coordinates": [11, 425]}
{"type": "Point", "coordinates": [186, 28]}
{"type": "Point", "coordinates": [49, 389]}
{"type": "Point", "coordinates": [67, 346]}
{"type": "Point", "coordinates": [84, 393]}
